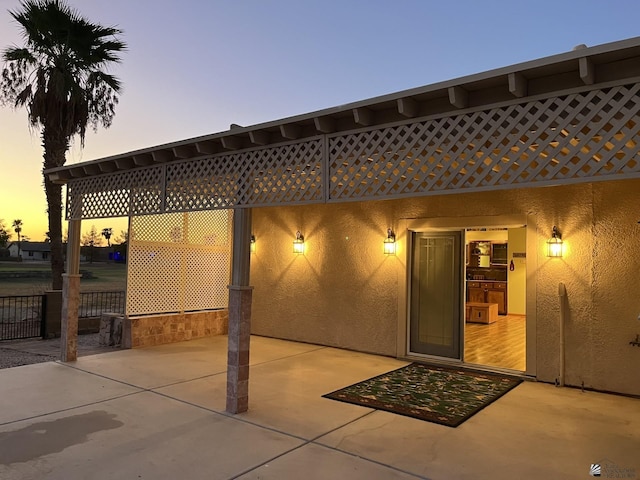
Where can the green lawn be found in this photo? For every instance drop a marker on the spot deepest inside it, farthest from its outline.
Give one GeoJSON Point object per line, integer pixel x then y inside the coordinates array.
{"type": "Point", "coordinates": [106, 276]}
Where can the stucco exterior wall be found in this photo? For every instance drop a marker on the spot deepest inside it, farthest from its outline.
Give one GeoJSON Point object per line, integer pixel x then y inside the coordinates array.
{"type": "Point", "coordinates": [343, 291]}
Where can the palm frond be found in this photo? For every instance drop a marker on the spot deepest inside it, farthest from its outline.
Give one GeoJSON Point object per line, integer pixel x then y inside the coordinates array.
{"type": "Point", "coordinates": [59, 73]}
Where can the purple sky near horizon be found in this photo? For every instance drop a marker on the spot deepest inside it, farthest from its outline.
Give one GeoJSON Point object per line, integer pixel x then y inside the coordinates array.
{"type": "Point", "coordinates": [194, 67]}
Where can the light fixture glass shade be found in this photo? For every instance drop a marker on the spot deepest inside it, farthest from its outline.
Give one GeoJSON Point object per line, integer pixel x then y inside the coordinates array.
{"type": "Point", "coordinates": [390, 243]}
{"type": "Point", "coordinates": [554, 244]}
{"type": "Point", "coordinates": [298, 243]}
{"type": "Point", "coordinates": [252, 246]}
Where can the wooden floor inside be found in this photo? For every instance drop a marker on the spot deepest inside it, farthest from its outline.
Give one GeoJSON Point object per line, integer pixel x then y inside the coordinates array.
{"type": "Point", "coordinates": [500, 344]}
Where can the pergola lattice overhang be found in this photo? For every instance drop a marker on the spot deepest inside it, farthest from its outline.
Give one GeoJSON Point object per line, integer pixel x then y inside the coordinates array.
{"type": "Point", "coordinates": [569, 118]}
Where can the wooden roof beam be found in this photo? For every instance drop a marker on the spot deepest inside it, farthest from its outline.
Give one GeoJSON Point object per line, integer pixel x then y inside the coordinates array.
{"type": "Point", "coordinates": [59, 177]}
{"type": "Point", "coordinates": [124, 163]}
{"type": "Point", "coordinates": [408, 107]}
{"type": "Point", "coordinates": [259, 137]}
{"type": "Point", "coordinates": [587, 71]}
{"type": "Point", "coordinates": [325, 124]}
{"type": "Point", "coordinates": [107, 167]}
{"type": "Point", "coordinates": [231, 143]}
{"type": "Point", "coordinates": [458, 97]}
{"type": "Point", "coordinates": [205, 148]}
{"type": "Point", "coordinates": [517, 85]}
{"type": "Point", "coordinates": [291, 131]}
{"type": "Point", "coordinates": [91, 169]}
{"type": "Point", "coordinates": [363, 116]}
{"type": "Point", "coordinates": [183, 151]}
{"type": "Point", "coordinates": [161, 156]}
{"type": "Point", "coordinates": [142, 160]}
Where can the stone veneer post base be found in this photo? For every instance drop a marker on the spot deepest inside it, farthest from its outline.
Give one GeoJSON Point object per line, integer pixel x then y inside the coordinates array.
{"type": "Point", "coordinates": [69, 330]}
{"type": "Point", "coordinates": [238, 353]}
{"type": "Point", "coordinates": [164, 328]}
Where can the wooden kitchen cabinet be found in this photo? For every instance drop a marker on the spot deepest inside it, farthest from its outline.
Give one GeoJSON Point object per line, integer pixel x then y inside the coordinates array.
{"type": "Point", "coordinates": [475, 292]}
{"type": "Point", "coordinates": [488, 292]}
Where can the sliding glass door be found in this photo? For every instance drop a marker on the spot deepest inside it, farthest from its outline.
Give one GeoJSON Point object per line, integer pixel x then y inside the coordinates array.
{"type": "Point", "coordinates": [436, 288]}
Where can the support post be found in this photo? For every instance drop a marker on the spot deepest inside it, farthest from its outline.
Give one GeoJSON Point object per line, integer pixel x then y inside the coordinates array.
{"type": "Point", "coordinates": [240, 294]}
{"type": "Point", "coordinates": [71, 296]}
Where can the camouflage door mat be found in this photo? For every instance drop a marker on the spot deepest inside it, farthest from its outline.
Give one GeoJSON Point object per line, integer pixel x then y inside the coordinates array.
{"type": "Point", "coordinates": [443, 395]}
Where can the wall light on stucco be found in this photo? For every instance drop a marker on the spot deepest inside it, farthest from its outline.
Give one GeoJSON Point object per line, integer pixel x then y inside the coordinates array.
{"type": "Point", "coordinates": [390, 243]}
{"type": "Point", "coordinates": [252, 245]}
{"type": "Point", "coordinates": [298, 244]}
{"type": "Point", "coordinates": [554, 244]}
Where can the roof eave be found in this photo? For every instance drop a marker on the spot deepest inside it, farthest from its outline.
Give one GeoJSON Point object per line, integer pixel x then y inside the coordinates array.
{"type": "Point", "coordinates": [447, 96]}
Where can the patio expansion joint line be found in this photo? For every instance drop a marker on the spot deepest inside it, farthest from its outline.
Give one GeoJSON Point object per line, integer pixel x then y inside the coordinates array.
{"type": "Point", "coordinates": [140, 389]}
{"type": "Point", "coordinates": [288, 356]}
{"type": "Point", "coordinates": [152, 389]}
{"type": "Point", "coordinates": [313, 441]}
{"type": "Point", "coordinates": [117, 397]}
{"type": "Point", "coordinates": [230, 416]}
{"type": "Point", "coordinates": [179, 382]}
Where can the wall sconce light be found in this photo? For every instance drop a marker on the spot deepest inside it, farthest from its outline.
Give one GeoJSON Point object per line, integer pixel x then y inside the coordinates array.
{"type": "Point", "coordinates": [298, 243]}
{"type": "Point", "coordinates": [252, 245]}
{"type": "Point", "coordinates": [390, 243]}
{"type": "Point", "coordinates": [554, 244]}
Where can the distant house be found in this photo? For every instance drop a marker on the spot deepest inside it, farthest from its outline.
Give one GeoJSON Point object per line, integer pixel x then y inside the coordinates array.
{"type": "Point", "coordinates": [31, 250]}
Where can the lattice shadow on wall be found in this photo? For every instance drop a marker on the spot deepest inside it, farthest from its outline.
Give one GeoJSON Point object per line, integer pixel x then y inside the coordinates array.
{"type": "Point", "coordinates": [179, 262]}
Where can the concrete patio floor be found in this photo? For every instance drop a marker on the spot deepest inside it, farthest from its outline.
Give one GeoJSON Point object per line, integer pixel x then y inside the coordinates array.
{"type": "Point", "coordinates": [157, 413]}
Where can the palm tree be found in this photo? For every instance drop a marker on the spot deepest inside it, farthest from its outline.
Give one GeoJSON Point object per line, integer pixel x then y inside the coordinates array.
{"type": "Point", "coordinates": [60, 77]}
{"type": "Point", "coordinates": [106, 233]}
{"type": "Point", "coordinates": [17, 227]}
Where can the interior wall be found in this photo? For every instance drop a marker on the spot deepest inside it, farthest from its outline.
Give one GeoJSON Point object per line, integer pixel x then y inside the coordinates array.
{"type": "Point", "coordinates": [490, 235]}
{"type": "Point", "coordinates": [343, 291]}
{"type": "Point", "coordinates": [517, 279]}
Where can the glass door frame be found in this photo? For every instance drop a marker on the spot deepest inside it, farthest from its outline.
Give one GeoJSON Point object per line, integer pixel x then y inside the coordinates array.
{"type": "Point", "coordinates": [404, 248]}
{"type": "Point", "coordinates": [458, 325]}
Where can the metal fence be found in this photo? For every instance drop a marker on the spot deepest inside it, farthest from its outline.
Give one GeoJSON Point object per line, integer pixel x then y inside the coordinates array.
{"type": "Point", "coordinates": [22, 316]}
{"type": "Point", "coordinates": [93, 304]}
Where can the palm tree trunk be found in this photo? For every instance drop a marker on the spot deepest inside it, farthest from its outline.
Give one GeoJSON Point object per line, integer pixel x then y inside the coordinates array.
{"type": "Point", "coordinates": [54, 211]}
{"type": "Point", "coordinates": [55, 149]}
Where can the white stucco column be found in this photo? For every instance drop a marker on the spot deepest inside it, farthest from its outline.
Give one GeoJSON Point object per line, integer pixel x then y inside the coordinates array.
{"type": "Point", "coordinates": [71, 295]}
{"type": "Point", "coordinates": [240, 294]}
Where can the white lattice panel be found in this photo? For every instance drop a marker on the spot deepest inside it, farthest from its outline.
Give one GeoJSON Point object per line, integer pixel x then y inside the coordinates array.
{"type": "Point", "coordinates": [179, 262]}
{"type": "Point", "coordinates": [289, 173]}
{"type": "Point", "coordinates": [204, 288]}
{"type": "Point", "coordinates": [135, 192]}
{"type": "Point", "coordinates": [579, 136]}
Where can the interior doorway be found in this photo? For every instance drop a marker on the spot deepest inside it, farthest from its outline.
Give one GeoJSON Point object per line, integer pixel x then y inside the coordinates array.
{"type": "Point", "coordinates": [468, 295]}
{"type": "Point", "coordinates": [495, 297]}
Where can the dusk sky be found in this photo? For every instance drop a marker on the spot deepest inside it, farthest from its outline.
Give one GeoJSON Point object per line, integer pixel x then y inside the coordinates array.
{"type": "Point", "coordinates": [195, 67]}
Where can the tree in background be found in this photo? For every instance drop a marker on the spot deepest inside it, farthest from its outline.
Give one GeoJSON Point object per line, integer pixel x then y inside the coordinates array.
{"type": "Point", "coordinates": [60, 76]}
{"type": "Point", "coordinates": [106, 233]}
{"type": "Point", "coordinates": [5, 235]}
{"type": "Point", "coordinates": [17, 227]}
{"type": "Point", "coordinates": [91, 239]}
